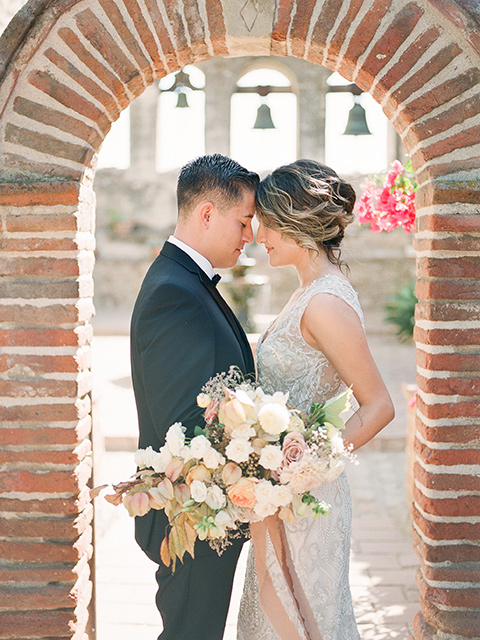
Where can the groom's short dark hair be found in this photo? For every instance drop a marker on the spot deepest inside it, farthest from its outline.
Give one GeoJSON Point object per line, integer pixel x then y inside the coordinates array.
{"type": "Point", "coordinates": [214, 177]}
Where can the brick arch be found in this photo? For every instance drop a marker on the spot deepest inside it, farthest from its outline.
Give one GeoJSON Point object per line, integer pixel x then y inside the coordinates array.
{"type": "Point", "coordinates": [68, 69]}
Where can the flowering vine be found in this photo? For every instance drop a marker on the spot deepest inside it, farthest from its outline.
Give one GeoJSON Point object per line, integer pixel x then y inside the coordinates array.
{"type": "Point", "coordinates": [388, 203]}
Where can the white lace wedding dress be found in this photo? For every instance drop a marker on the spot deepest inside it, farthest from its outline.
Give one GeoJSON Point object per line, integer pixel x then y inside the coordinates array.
{"type": "Point", "coordinates": [319, 548]}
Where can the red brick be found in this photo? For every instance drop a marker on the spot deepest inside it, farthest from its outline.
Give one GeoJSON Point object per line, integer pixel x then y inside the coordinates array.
{"type": "Point", "coordinates": [280, 27]}
{"type": "Point", "coordinates": [451, 573]}
{"type": "Point", "coordinates": [450, 386]}
{"type": "Point", "coordinates": [18, 625]}
{"type": "Point", "coordinates": [448, 596]}
{"type": "Point", "coordinates": [31, 598]}
{"type": "Point", "coordinates": [54, 118]}
{"type": "Point", "coordinates": [463, 267]}
{"type": "Point", "coordinates": [32, 574]}
{"type": "Point", "coordinates": [447, 337]}
{"type": "Point", "coordinates": [464, 434]}
{"type": "Point", "coordinates": [406, 62]}
{"type": "Point", "coordinates": [49, 505]}
{"type": "Point", "coordinates": [447, 481]}
{"type": "Point", "coordinates": [462, 290]}
{"type": "Point", "coordinates": [39, 337]}
{"type": "Point", "coordinates": [54, 529]}
{"type": "Point", "coordinates": [462, 623]}
{"type": "Point", "coordinates": [464, 15]}
{"type": "Point", "coordinates": [451, 553]}
{"type": "Point", "coordinates": [300, 25]}
{"type": "Point", "coordinates": [457, 409]}
{"type": "Point", "coordinates": [41, 482]}
{"type": "Point", "coordinates": [45, 553]}
{"type": "Point", "coordinates": [217, 28]}
{"type": "Point", "coordinates": [448, 90]}
{"type": "Point", "coordinates": [50, 169]}
{"type": "Point", "coordinates": [63, 94]}
{"type": "Point", "coordinates": [432, 172]}
{"type": "Point", "coordinates": [459, 506]}
{"type": "Point", "coordinates": [459, 140]}
{"type": "Point", "coordinates": [39, 194]}
{"type": "Point", "coordinates": [422, 630]}
{"type": "Point", "coordinates": [448, 361]}
{"type": "Point", "coordinates": [38, 389]}
{"type": "Point", "coordinates": [429, 70]}
{"type": "Point", "coordinates": [42, 364]}
{"type": "Point", "coordinates": [48, 222]}
{"type": "Point", "coordinates": [30, 315]}
{"type": "Point", "coordinates": [184, 54]}
{"type": "Point", "coordinates": [145, 34]}
{"type": "Point", "coordinates": [338, 38]}
{"type": "Point", "coordinates": [446, 457]}
{"type": "Point", "coordinates": [323, 26]}
{"type": "Point", "coordinates": [44, 413]}
{"type": "Point", "coordinates": [40, 267]}
{"type": "Point", "coordinates": [130, 40]}
{"type": "Point", "coordinates": [40, 435]}
{"type": "Point", "coordinates": [401, 27]}
{"type": "Point", "coordinates": [168, 49]}
{"type": "Point", "coordinates": [95, 32]}
{"type": "Point", "coordinates": [37, 459]}
{"type": "Point", "coordinates": [108, 78]}
{"type": "Point", "coordinates": [456, 114]}
{"type": "Point", "coordinates": [459, 243]}
{"type": "Point", "coordinates": [447, 311]}
{"type": "Point", "coordinates": [446, 530]}
{"type": "Point", "coordinates": [14, 244]}
{"type": "Point", "coordinates": [52, 289]}
{"type": "Point", "coordinates": [364, 34]}
{"type": "Point", "coordinates": [196, 30]}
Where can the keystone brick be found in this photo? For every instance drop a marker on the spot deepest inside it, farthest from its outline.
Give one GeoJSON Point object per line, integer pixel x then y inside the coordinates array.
{"type": "Point", "coordinates": [95, 32]}
{"type": "Point", "coordinates": [130, 40]}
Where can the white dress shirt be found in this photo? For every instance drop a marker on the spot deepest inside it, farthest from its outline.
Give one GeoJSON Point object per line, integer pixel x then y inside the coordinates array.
{"type": "Point", "coordinates": [202, 262]}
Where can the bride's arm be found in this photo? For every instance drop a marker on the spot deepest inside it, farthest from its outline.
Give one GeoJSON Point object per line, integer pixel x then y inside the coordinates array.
{"type": "Point", "coordinates": [332, 326]}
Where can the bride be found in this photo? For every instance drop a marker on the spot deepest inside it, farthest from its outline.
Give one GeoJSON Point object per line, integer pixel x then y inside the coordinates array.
{"type": "Point", "coordinates": [314, 349]}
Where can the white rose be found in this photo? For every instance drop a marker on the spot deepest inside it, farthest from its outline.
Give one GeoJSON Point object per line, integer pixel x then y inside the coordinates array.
{"type": "Point", "coordinates": [175, 438]}
{"type": "Point", "coordinates": [203, 400]}
{"type": "Point", "coordinates": [161, 460]}
{"type": "Point", "coordinates": [212, 458]}
{"type": "Point", "coordinates": [271, 457]}
{"type": "Point", "coordinates": [274, 418]}
{"type": "Point", "coordinates": [243, 430]}
{"type": "Point", "coordinates": [264, 509]}
{"type": "Point", "coordinates": [198, 491]}
{"type": "Point", "coordinates": [215, 498]}
{"type": "Point", "coordinates": [186, 454]}
{"type": "Point", "coordinates": [283, 495]}
{"type": "Point", "coordinates": [265, 492]}
{"type": "Point", "coordinates": [238, 450]}
{"type": "Point", "coordinates": [199, 446]}
{"type": "Point", "coordinates": [143, 457]}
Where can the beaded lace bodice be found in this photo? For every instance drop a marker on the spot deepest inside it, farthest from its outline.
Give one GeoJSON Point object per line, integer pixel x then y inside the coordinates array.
{"type": "Point", "coordinates": [320, 548]}
{"type": "Point", "coordinates": [286, 362]}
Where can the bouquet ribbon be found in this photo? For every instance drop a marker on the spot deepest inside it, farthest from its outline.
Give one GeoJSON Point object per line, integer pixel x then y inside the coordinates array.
{"type": "Point", "coordinates": [271, 603]}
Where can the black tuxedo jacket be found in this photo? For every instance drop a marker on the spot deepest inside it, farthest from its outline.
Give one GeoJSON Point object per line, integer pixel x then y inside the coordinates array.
{"type": "Point", "coordinates": [182, 334]}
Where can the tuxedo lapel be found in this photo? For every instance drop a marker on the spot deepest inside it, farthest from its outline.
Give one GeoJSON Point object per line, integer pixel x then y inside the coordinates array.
{"type": "Point", "coordinates": [173, 252]}
{"type": "Point", "coordinates": [236, 326]}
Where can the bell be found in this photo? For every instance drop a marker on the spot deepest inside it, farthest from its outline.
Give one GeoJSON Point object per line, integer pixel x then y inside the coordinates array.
{"type": "Point", "coordinates": [357, 122]}
{"type": "Point", "coordinates": [264, 118]}
{"type": "Point", "coordinates": [182, 102]}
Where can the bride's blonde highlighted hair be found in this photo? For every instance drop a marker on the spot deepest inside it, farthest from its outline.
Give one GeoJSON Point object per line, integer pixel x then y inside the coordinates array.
{"type": "Point", "coordinates": [307, 202]}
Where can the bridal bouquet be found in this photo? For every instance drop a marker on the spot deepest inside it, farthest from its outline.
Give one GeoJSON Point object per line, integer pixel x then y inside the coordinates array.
{"type": "Point", "coordinates": [254, 457]}
{"type": "Point", "coordinates": [389, 203]}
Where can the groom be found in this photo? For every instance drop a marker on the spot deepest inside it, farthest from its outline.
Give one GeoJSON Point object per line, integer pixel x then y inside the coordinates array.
{"type": "Point", "coordinates": [182, 334]}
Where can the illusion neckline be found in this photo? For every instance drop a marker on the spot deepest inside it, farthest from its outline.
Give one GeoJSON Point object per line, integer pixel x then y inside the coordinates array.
{"type": "Point", "coordinates": [276, 322]}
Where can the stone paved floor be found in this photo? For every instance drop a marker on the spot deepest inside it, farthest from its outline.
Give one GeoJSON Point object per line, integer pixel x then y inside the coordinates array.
{"type": "Point", "coordinates": [383, 564]}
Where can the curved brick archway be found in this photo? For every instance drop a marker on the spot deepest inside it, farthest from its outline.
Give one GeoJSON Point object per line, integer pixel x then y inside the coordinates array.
{"type": "Point", "coordinates": [68, 69]}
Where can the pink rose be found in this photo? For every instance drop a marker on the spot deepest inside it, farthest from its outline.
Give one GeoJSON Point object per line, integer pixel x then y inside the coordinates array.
{"type": "Point", "coordinates": [293, 447]}
{"type": "Point", "coordinates": [211, 411]}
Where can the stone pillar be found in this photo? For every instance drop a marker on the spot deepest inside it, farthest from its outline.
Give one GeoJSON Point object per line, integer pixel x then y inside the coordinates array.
{"type": "Point", "coordinates": [312, 86]}
{"type": "Point", "coordinates": [143, 134]}
{"type": "Point", "coordinates": [219, 86]}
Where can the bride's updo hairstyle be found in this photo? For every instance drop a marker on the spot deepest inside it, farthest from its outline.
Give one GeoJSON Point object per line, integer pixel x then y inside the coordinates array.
{"type": "Point", "coordinates": [307, 202]}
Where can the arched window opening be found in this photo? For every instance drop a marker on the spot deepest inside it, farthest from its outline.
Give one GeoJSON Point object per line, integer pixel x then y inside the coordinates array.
{"type": "Point", "coordinates": [115, 150]}
{"type": "Point", "coordinates": [255, 141]}
{"type": "Point", "coordinates": [354, 154]}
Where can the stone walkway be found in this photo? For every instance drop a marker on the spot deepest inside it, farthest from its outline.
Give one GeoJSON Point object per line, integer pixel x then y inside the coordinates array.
{"type": "Point", "coordinates": [383, 564]}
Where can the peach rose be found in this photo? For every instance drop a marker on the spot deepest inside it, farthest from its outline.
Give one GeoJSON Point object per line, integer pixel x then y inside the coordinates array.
{"type": "Point", "coordinates": [293, 447]}
{"type": "Point", "coordinates": [242, 493]}
{"type": "Point", "coordinates": [199, 472]}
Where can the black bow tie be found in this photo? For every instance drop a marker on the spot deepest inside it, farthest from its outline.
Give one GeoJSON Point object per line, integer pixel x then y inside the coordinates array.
{"type": "Point", "coordinates": [216, 279]}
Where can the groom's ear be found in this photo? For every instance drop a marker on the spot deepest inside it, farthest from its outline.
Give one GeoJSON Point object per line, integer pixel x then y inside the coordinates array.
{"type": "Point", "coordinates": [205, 212]}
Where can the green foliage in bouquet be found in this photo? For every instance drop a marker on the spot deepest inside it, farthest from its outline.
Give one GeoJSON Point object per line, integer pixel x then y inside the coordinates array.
{"type": "Point", "coordinates": [400, 309]}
